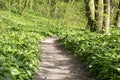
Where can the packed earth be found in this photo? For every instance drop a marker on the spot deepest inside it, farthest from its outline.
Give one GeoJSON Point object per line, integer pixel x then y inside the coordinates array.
{"type": "Point", "coordinates": [58, 64]}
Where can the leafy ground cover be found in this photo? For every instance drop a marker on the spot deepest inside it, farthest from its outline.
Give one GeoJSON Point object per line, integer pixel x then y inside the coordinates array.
{"type": "Point", "coordinates": [19, 38]}
{"type": "Point", "coordinates": [19, 47]}
{"type": "Point", "coordinates": [100, 52]}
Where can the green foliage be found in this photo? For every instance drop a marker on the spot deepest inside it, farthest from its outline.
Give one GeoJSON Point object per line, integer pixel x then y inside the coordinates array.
{"type": "Point", "coordinates": [20, 36]}
{"type": "Point", "coordinates": [117, 1]}
{"type": "Point", "coordinates": [19, 49]}
{"type": "Point", "coordinates": [100, 52]}
{"type": "Point", "coordinates": [66, 12]}
{"type": "Point", "coordinates": [19, 39]}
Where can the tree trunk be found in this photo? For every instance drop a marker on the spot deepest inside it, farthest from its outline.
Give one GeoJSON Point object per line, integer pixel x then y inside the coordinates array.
{"type": "Point", "coordinates": [56, 11]}
{"type": "Point", "coordinates": [106, 16]}
{"type": "Point", "coordinates": [117, 23]}
{"type": "Point", "coordinates": [72, 2]}
{"type": "Point", "coordinates": [31, 4]}
{"type": "Point", "coordinates": [91, 15]}
{"type": "Point", "coordinates": [49, 9]}
{"type": "Point", "coordinates": [99, 15]}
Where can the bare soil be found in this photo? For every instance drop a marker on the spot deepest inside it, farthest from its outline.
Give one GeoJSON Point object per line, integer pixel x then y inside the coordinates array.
{"type": "Point", "coordinates": [58, 64]}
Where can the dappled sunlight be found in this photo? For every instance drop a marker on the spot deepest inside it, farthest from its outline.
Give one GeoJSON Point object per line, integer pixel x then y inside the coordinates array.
{"type": "Point", "coordinates": [58, 64]}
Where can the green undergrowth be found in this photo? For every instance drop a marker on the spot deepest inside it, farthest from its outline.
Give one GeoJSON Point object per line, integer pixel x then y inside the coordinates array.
{"type": "Point", "coordinates": [100, 52]}
{"type": "Point", "coordinates": [19, 43]}
{"type": "Point", "coordinates": [19, 48]}
{"type": "Point", "coordinates": [21, 35]}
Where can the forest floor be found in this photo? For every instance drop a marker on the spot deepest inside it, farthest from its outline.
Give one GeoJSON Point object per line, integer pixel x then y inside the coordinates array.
{"type": "Point", "coordinates": [58, 64]}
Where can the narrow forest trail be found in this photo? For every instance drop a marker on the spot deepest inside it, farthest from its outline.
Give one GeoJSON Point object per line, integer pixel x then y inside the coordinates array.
{"type": "Point", "coordinates": [58, 64]}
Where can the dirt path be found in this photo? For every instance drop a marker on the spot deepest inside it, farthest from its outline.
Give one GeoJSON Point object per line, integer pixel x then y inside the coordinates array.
{"type": "Point", "coordinates": [58, 64]}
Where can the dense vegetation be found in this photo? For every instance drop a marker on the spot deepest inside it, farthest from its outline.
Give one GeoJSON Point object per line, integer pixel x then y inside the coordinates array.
{"type": "Point", "coordinates": [19, 50]}
{"type": "Point", "coordinates": [24, 23]}
{"type": "Point", "coordinates": [99, 52]}
{"type": "Point", "coordinates": [19, 39]}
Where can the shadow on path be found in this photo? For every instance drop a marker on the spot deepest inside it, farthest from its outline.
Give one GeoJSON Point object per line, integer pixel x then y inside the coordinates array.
{"type": "Point", "coordinates": [58, 64]}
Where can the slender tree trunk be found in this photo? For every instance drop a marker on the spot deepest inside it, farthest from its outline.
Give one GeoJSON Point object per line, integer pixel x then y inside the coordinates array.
{"type": "Point", "coordinates": [117, 23]}
{"type": "Point", "coordinates": [99, 15]}
{"type": "Point", "coordinates": [31, 4]}
{"type": "Point", "coordinates": [91, 15]}
{"type": "Point", "coordinates": [72, 2]}
{"type": "Point", "coordinates": [106, 16]}
{"type": "Point", "coordinates": [49, 9]}
{"type": "Point", "coordinates": [56, 11]}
